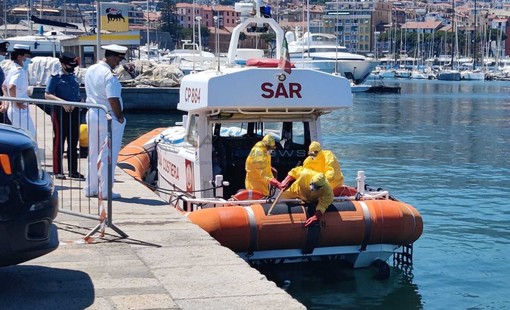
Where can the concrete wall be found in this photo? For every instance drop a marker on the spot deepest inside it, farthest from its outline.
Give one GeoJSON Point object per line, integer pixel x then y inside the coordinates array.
{"type": "Point", "coordinates": [141, 99]}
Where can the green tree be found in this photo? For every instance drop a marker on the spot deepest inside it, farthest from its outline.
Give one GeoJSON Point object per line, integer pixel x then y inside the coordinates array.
{"type": "Point", "coordinates": [169, 19]}
{"type": "Point", "coordinates": [270, 38]}
{"type": "Point", "coordinates": [187, 34]}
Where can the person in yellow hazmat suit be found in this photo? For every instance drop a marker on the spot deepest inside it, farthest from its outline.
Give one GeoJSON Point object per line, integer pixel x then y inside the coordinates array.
{"type": "Point", "coordinates": [311, 187]}
{"type": "Point", "coordinates": [326, 162]}
{"type": "Point", "coordinates": [259, 173]}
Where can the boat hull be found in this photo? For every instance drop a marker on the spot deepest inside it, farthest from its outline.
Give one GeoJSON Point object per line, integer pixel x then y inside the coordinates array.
{"type": "Point", "coordinates": [347, 227]}
{"type": "Point", "coordinates": [449, 76]}
{"type": "Point", "coordinates": [134, 159]}
{"type": "Point", "coordinates": [356, 70]}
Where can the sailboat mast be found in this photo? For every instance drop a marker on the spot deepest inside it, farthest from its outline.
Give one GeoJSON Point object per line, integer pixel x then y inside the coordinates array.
{"type": "Point", "coordinates": [475, 42]}
{"type": "Point", "coordinates": [453, 29]}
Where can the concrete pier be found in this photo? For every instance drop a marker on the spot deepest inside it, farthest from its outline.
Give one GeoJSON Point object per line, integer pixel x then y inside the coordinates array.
{"type": "Point", "coordinates": [167, 262]}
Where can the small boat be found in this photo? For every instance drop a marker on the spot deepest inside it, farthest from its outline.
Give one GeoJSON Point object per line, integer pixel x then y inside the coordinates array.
{"type": "Point", "coordinates": [449, 75]}
{"type": "Point", "coordinates": [472, 75]}
{"type": "Point", "coordinates": [402, 74]}
{"type": "Point", "coordinates": [198, 166]}
{"type": "Point", "coordinates": [384, 89]}
{"type": "Point", "coordinates": [190, 58]}
{"type": "Point", "coordinates": [360, 88]}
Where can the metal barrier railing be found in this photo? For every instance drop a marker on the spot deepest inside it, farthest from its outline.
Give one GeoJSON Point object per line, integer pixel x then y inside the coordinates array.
{"type": "Point", "coordinates": [70, 202]}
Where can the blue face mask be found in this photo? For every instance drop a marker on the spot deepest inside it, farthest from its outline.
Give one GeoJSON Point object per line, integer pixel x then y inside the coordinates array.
{"type": "Point", "coordinates": [26, 62]}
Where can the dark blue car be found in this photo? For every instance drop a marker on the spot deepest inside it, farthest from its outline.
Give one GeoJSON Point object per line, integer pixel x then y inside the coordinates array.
{"type": "Point", "coordinates": [28, 200]}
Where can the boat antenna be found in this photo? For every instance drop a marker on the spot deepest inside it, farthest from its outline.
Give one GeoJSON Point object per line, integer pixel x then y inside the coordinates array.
{"type": "Point", "coordinates": [308, 25]}
{"type": "Point", "coordinates": [217, 39]}
{"type": "Point", "coordinates": [193, 33]}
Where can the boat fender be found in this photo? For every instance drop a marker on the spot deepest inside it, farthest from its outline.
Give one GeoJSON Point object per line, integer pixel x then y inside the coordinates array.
{"type": "Point", "coordinates": [247, 194]}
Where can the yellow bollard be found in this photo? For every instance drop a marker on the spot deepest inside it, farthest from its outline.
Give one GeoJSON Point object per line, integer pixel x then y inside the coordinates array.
{"type": "Point", "coordinates": [84, 141]}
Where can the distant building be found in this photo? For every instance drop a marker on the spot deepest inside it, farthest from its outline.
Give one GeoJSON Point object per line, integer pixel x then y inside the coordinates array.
{"type": "Point", "coordinates": [227, 16]}
{"type": "Point", "coordinates": [428, 26]}
{"type": "Point", "coordinates": [355, 22]}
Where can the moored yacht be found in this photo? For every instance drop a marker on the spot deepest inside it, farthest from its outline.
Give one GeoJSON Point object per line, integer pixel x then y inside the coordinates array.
{"type": "Point", "coordinates": [41, 44]}
{"type": "Point", "coordinates": [320, 51]}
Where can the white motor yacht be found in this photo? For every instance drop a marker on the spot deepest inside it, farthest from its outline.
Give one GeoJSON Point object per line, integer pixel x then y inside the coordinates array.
{"type": "Point", "coordinates": [320, 51]}
{"type": "Point", "coordinates": [41, 44]}
{"type": "Point", "coordinates": [190, 58]}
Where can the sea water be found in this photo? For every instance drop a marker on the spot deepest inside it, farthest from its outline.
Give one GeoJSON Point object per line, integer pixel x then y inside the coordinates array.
{"type": "Point", "coordinates": [442, 146]}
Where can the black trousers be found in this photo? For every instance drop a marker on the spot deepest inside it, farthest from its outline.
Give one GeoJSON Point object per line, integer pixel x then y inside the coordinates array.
{"type": "Point", "coordinates": [66, 130]}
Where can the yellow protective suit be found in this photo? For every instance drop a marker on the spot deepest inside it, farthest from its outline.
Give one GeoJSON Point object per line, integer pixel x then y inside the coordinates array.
{"type": "Point", "coordinates": [327, 163]}
{"type": "Point", "coordinates": [258, 169]}
{"type": "Point", "coordinates": [301, 189]}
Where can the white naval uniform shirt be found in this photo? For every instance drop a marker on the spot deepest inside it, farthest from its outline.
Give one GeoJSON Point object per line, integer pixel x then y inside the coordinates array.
{"type": "Point", "coordinates": [18, 77]}
{"type": "Point", "coordinates": [101, 84]}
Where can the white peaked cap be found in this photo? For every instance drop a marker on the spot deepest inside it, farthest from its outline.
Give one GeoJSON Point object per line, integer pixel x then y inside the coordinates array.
{"type": "Point", "coordinates": [115, 48]}
{"type": "Point", "coordinates": [21, 47]}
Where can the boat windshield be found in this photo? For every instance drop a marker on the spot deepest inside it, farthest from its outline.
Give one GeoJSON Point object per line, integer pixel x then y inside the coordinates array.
{"type": "Point", "coordinates": [327, 49]}
{"type": "Point", "coordinates": [232, 142]}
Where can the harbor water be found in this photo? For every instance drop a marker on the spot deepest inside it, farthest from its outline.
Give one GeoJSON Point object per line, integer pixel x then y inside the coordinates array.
{"type": "Point", "coordinates": [443, 147]}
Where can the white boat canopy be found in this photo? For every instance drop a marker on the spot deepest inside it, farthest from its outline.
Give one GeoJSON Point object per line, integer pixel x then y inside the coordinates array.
{"type": "Point", "coordinates": [263, 88]}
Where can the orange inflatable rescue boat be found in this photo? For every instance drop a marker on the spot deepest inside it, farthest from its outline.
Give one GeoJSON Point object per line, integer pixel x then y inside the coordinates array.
{"type": "Point", "coordinates": [134, 159]}
{"type": "Point", "coordinates": [359, 231]}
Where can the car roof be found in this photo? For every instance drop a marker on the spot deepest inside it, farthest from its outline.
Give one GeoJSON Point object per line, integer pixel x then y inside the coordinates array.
{"type": "Point", "coordinates": [13, 138]}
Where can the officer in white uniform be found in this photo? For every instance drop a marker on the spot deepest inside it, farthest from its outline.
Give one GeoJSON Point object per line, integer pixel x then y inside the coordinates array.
{"type": "Point", "coordinates": [3, 108]}
{"type": "Point", "coordinates": [16, 85]}
{"type": "Point", "coordinates": [103, 88]}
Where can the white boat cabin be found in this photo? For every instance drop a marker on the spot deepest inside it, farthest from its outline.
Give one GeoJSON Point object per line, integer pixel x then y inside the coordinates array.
{"type": "Point", "coordinates": [230, 111]}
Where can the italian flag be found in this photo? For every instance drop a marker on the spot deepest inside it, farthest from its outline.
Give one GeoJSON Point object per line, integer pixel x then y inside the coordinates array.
{"type": "Point", "coordinates": [285, 58]}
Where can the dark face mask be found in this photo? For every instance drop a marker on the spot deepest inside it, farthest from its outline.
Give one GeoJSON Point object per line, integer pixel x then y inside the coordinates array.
{"type": "Point", "coordinates": [69, 70]}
